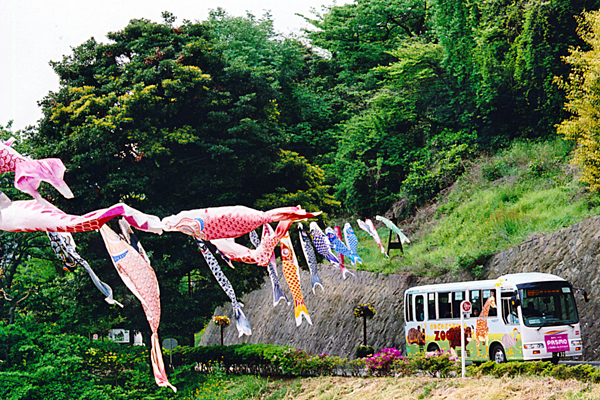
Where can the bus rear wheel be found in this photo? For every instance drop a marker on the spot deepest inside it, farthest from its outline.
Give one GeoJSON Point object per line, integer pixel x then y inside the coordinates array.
{"type": "Point", "coordinates": [497, 354]}
{"type": "Point", "coordinates": [433, 347]}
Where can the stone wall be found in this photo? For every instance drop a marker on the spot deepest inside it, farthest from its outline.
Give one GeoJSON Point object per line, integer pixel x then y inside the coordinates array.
{"type": "Point", "coordinates": [571, 253]}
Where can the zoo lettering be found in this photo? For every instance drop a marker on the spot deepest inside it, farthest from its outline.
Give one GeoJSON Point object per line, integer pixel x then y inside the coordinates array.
{"type": "Point", "coordinates": [453, 334]}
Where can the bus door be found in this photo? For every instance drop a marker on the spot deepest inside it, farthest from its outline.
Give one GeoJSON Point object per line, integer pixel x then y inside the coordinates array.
{"type": "Point", "coordinates": [511, 317]}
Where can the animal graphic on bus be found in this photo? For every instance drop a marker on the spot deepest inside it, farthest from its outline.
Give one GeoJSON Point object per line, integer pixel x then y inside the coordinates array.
{"type": "Point", "coordinates": [453, 337]}
{"type": "Point", "coordinates": [416, 336]}
{"type": "Point", "coordinates": [482, 330]}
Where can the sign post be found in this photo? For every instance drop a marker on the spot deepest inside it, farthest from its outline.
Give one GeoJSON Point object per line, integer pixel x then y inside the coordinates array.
{"type": "Point", "coordinates": [170, 344]}
{"type": "Point", "coordinates": [465, 310]}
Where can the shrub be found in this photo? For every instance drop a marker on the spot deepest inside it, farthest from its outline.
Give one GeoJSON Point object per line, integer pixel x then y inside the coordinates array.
{"type": "Point", "coordinates": [435, 363]}
{"type": "Point", "coordinates": [381, 363]}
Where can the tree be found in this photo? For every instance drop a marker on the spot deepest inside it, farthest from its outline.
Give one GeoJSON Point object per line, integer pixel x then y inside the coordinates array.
{"type": "Point", "coordinates": [583, 95]}
{"type": "Point", "coordinates": [159, 119]}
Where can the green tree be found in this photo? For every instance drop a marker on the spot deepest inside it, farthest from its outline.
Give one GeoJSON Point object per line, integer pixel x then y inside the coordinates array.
{"type": "Point", "coordinates": [583, 95]}
{"type": "Point", "coordinates": [159, 119]}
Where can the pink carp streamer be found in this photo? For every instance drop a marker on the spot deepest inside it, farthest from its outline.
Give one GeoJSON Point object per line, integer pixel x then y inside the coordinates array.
{"type": "Point", "coordinates": [368, 227]}
{"type": "Point", "coordinates": [261, 255]}
{"type": "Point", "coordinates": [229, 222]}
{"type": "Point", "coordinates": [30, 173]}
{"type": "Point", "coordinates": [290, 272]}
{"type": "Point", "coordinates": [33, 216]}
{"type": "Point", "coordinates": [132, 264]}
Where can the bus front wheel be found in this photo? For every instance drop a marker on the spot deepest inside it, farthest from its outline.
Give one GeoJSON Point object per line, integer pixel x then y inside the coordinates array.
{"type": "Point", "coordinates": [433, 347]}
{"type": "Point", "coordinates": [497, 354]}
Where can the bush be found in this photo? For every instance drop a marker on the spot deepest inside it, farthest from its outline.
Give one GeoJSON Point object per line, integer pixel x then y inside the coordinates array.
{"type": "Point", "coordinates": [380, 364]}
{"type": "Point", "coordinates": [435, 363]}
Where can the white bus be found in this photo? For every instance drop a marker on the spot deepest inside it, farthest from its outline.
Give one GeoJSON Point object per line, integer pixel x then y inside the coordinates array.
{"type": "Point", "coordinates": [527, 316]}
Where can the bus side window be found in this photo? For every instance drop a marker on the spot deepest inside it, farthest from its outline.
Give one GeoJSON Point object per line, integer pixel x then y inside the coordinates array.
{"type": "Point", "coordinates": [458, 298]}
{"type": "Point", "coordinates": [431, 314]}
{"type": "Point", "coordinates": [487, 293]}
{"type": "Point", "coordinates": [419, 308]}
{"type": "Point", "coordinates": [444, 305]}
{"type": "Point", "coordinates": [408, 307]}
{"type": "Point", "coordinates": [475, 299]}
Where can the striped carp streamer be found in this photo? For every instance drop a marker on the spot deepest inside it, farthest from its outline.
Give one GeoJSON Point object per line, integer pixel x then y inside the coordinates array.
{"type": "Point", "coordinates": [311, 258]}
{"type": "Point", "coordinates": [133, 266]}
{"type": "Point", "coordinates": [241, 322]}
{"type": "Point", "coordinates": [368, 227]}
{"type": "Point", "coordinates": [322, 244]}
{"type": "Point", "coordinates": [292, 277]}
{"type": "Point", "coordinates": [393, 228]}
{"type": "Point", "coordinates": [278, 293]}
{"type": "Point", "coordinates": [30, 173]}
{"type": "Point", "coordinates": [65, 249]}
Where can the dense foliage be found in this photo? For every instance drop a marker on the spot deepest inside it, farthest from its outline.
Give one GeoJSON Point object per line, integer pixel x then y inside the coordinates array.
{"type": "Point", "coordinates": [380, 108]}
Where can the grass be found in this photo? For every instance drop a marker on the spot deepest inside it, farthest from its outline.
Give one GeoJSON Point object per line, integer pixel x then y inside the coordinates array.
{"type": "Point", "coordinates": [339, 388]}
{"type": "Point", "coordinates": [528, 190]}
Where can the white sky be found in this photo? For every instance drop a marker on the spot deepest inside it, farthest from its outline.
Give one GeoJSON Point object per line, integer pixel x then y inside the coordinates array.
{"type": "Point", "coordinates": [34, 32]}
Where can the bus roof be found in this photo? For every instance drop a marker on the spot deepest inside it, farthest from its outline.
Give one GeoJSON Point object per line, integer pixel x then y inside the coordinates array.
{"type": "Point", "coordinates": [509, 281]}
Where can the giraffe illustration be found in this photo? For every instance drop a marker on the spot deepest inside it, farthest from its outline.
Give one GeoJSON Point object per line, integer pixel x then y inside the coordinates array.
{"type": "Point", "coordinates": [481, 329]}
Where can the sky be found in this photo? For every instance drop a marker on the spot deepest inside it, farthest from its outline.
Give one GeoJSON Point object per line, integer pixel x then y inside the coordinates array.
{"type": "Point", "coordinates": [35, 32]}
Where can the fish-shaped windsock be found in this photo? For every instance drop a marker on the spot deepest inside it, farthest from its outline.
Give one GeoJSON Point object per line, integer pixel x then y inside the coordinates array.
{"type": "Point", "coordinates": [393, 228]}
{"type": "Point", "coordinates": [368, 227]}
{"type": "Point", "coordinates": [65, 249]}
{"type": "Point", "coordinates": [261, 255]}
{"type": "Point", "coordinates": [322, 244]}
{"type": "Point", "coordinates": [291, 274]}
{"type": "Point", "coordinates": [350, 238]}
{"type": "Point", "coordinates": [338, 233]}
{"type": "Point", "coordinates": [311, 258]}
{"type": "Point", "coordinates": [33, 216]}
{"type": "Point", "coordinates": [340, 247]}
{"type": "Point", "coordinates": [229, 222]}
{"type": "Point", "coordinates": [30, 173]}
{"type": "Point", "coordinates": [278, 294]}
{"type": "Point", "coordinates": [131, 263]}
{"type": "Point", "coordinates": [241, 322]}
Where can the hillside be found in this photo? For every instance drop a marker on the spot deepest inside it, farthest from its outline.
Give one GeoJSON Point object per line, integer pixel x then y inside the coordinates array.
{"type": "Point", "coordinates": [525, 191]}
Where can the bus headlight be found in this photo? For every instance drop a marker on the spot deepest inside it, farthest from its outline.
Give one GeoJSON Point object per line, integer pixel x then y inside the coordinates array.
{"type": "Point", "coordinates": [533, 346]}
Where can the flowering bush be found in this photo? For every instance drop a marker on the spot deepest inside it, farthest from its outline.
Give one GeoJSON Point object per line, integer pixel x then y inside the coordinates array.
{"type": "Point", "coordinates": [435, 363]}
{"type": "Point", "coordinates": [364, 310]}
{"type": "Point", "coordinates": [381, 363]}
{"type": "Point", "coordinates": [221, 320]}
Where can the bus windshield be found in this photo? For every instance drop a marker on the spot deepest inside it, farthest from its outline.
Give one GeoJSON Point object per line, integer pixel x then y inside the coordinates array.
{"type": "Point", "coordinates": [548, 304]}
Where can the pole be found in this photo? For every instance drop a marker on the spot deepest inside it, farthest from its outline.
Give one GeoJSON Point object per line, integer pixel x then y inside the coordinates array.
{"type": "Point", "coordinates": [221, 335]}
{"type": "Point", "coordinates": [365, 330]}
{"type": "Point", "coordinates": [462, 343]}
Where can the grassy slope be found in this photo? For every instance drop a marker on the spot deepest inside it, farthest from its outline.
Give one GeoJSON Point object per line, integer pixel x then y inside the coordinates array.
{"type": "Point", "coordinates": [327, 388]}
{"type": "Point", "coordinates": [527, 190]}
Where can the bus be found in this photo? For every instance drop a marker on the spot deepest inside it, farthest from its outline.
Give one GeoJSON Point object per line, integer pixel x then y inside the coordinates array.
{"type": "Point", "coordinates": [525, 316]}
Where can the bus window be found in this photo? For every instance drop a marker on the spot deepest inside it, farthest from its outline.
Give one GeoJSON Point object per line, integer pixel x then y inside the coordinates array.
{"type": "Point", "coordinates": [510, 314]}
{"type": "Point", "coordinates": [491, 311]}
{"type": "Point", "coordinates": [419, 307]}
{"type": "Point", "coordinates": [431, 314]}
{"type": "Point", "coordinates": [475, 299]}
{"type": "Point", "coordinates": [457, 298]}
{"type": "Point", "coordinates": [408, 308]}
{"type": "Point", "coordinates": [445, 305]}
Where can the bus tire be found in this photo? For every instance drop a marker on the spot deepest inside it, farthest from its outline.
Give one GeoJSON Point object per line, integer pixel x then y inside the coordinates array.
{"type": "Point", "coordinates": [433, 347]}
{"type": "Point", "coordinates": [497, 354]}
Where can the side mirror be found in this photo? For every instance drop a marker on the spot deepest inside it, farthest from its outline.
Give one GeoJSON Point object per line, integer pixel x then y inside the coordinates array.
{"type": "Point", "coordinates": [515, 301]}
{"type": "Point", "coordinates": [586, 297]}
